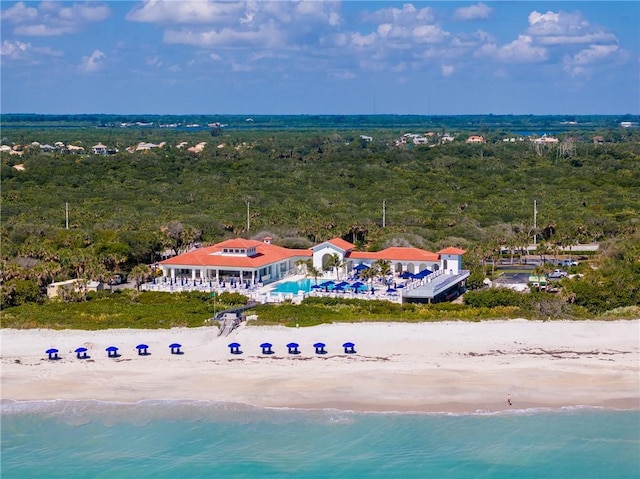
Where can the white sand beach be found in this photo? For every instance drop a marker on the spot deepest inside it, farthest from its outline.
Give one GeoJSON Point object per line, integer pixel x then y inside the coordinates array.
{"type": "Point", "coordinates": [430, 367]}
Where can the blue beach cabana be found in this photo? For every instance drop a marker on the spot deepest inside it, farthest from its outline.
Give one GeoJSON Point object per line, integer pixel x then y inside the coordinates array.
{"type": "Point", "coordinates": [293, 348]}
{"type": "Point", "coordinates": [266, 348]}
{"type": "Point", "coordinates": [53, 353]}
{"type": "Point", "coordinates": [112, 352]}
{"type": "Point", "coordinates": [320, 348]}
{"type": "Point", "coordinates": [175, 348]}
{"type": "Point", "coordinates": [234, 348]}
{"type": "Point", "coordinates": [349, 348]}
{"type": "Point", "coordinates": [81, 353]}
{"type": "Point", "coordinates": [143, 350]}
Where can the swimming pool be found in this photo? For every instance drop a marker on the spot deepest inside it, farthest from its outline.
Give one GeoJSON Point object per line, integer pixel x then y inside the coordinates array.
{"type": "Point", "coordinates": [294, 286]}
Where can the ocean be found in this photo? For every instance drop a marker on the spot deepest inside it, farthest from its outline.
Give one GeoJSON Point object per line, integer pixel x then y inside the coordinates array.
{"type": "Point", "coordinates": [200, 439]}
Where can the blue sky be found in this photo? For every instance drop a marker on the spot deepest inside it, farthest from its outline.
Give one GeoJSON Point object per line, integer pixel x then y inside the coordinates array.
{"type": "Point", "coordinates": [316, 57]}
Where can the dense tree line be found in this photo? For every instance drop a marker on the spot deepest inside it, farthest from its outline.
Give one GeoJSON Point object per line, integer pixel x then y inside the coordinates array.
{"type": "Point", "coordinates": [302, 187]}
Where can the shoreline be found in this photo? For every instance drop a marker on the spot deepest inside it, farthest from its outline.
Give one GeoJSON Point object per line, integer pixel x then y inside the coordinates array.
{"type": "Point", "coordinates": [446, 367]}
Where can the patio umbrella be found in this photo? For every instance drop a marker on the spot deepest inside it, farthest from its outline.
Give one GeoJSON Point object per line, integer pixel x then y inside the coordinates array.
{"type": "Point", "coordinates": [81, 353]}
{"type": "Point", "coordinates": [112, 352]}
{"type": "Point", "coordinates": [53, 353]}
{"type": "Point", "coordinates": [349, 348]}
{"type": "Point", "coordinates": [406, 275]}
{"type": "Point", "coordinates": [360, 267]}
{"type": "Point", "coordinates": [293, 348]}
{"type": "Point", "coordinates": [142, 350]}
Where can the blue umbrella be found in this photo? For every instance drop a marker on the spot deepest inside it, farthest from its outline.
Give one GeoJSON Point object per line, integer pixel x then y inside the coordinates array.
{"type": "Point", "coordinates": [235, 348]}
{"type": "Point", "coordinates": [326, 284]}
{"type": "Point", "coordinates": [53, 353]}
{"type": "Point", "coordinates": [175, 348]}
{"type": "Point", "coordinates": [406, 275]}
{"type": "Point", "coordinates": [266, 348]}
{"type": "Point", "coordinates": [349, 348]}
{"type": "Point", "coordinates": [142, 349]}
{"type": "Point", "coordinates": [112, 352]}
{"type": "Point", "coordinates": [320, 348]}
{"type": "Point", "coordinates": [81, 353]}
{"type": "Point", "coordinates": [293, 348]}
{"type": "Point", "coordinates": [316, 286]}
{"type": "Point", "coordinates": [360, 267]}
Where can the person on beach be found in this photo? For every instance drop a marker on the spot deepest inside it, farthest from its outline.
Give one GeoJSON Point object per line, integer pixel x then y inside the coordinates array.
{"type": "Point", "coordinates": [509, 399]}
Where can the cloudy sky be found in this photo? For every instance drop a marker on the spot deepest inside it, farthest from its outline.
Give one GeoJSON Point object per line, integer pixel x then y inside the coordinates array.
{"type": "Point", "coordinates": [316, 57]}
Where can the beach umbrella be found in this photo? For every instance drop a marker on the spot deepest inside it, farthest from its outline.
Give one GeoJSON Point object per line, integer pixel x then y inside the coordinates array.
{"type": "Point", "coordinates": [360, 267]}
{"type": "Point", "coordinates": [142, 349]}
{"type": "Point", "coordinates": [175, 348]}
{"type": "Point", "coordinates": [349, 348]}
{"type": "Point", "coordinates": [112, 352]}
{"type": "Point", "coordinates": [406, 275]}
{"type": "Point", "coordinates": [81, 353]}
{"type": "Point", "coordinates": [320, 348]}
{"type": "Point", "coordinates": [293, 348]}
{"type": "Point", "coordinates": [53, 353]}
{"type": "Point", "coordinates": [316, 286]}
{"type": "Point", "coordinates": [234, 348]}
{"type": "Point", "coordinates": [266, 348]}
{"type": "Point", "coordinates": [327, 284]}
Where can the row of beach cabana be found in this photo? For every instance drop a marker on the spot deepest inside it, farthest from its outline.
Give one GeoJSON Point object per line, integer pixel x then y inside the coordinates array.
{"type": "Point", "coordinates": [175, 348]}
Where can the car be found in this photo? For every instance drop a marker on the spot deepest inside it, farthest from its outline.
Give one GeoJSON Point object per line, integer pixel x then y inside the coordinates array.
{"type": "Point", "coordinates": [557, 274]}
{"type": "Point", "coordinates": [117, 279]}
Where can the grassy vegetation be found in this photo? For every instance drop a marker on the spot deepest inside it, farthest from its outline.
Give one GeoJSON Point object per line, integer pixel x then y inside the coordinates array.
{"type": "Point", "coordinates": [152, 310]}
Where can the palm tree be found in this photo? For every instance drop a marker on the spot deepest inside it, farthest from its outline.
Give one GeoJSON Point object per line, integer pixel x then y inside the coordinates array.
{"type": "Point", "coordinates": [139, 274]}
{"type": "Point", "coordinates": [336, 264]}
{"type": "Point", "coordinates": [312, 270]}
{"type": "Point", "coordinates": [382, 268]}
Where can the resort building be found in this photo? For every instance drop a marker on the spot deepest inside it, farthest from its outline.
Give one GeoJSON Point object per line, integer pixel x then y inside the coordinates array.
{"type": "Point", "coordinates": [428, 277]}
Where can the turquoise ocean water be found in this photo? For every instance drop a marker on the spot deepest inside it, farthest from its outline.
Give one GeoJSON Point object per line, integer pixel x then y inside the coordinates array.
{"type": "Point", "coordinates": [183, 439]}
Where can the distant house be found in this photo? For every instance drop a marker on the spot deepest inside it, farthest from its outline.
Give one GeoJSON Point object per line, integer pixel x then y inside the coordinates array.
{"type": "Point", "coordinates": [198, 148]}
{"type": "Point", "coordinates": [76, 149]}
{"type": "Point", "coordinates": [475, 139]}
{"type": "Point", "coordinates": [99, 149]}
{"type": "Point", "coordinates": [546, 140]}
{"type": "Point", "coordinates": [598, 140]}
{"type": "Point", "coordinates": [56, 290]}
{"type": "Point", "coordinates": [366, 138]}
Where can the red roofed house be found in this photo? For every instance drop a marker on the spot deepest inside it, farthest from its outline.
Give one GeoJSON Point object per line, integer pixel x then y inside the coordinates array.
{"type": "Point", "coordinates": [235, 259]}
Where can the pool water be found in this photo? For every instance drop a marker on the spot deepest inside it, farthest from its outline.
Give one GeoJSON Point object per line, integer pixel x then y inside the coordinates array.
{"type": "Point", "coordinates": [294, 286]}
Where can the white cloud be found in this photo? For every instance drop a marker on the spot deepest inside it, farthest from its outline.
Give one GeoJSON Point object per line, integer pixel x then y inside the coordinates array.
{"type": "Point", "coordinates": [581, 62]}
{"type": "Point", "coordinates": [521, 50]}
{"type": "Point", "coordinates": [23, 52]}
{"type": "Point", "coordinates": [13, 50]}
{"type": "Point", "coordinates": [19, 13]}
{"type": "Point", "coordinates": [447, 70]}
{"type": "Point", "coordinates": [93, 62]}
{"type": "Point", "coordinates": [429, 34]}
{"type": "Point", "coordinates": [407, 15]}
{"type": "Point", "coordinates": [52, 18]}
{"type": "Point", "coordinates": [564, 28]}
{"type": "Point", "coordinates": [479, 11]}
{"type": "Point", "coordinates": [189, 12]}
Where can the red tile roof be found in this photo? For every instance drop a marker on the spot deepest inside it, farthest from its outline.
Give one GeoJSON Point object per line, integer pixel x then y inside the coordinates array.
{"type": "Point", "coordinates": [397, 253]}
{"type": "Point", "coordinates": [213, 256]}
{"type": "Point", "coordinates": [452, 250]}
{"type": "Point", "coordinates": [342, 244]}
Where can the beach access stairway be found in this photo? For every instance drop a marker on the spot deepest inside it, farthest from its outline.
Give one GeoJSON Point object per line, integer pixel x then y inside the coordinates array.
{"type": "Point", "coordinates": [230, 318]}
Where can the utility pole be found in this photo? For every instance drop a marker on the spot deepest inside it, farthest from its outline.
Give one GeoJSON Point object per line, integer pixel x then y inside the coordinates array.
{"type": "Point", "coordinates": [66, 215]}
{"type": "Point", "coordinates": [535, 220]}
{"type": "Point", "coordinates": [384, 213]}
{"type": "Point", "coordinates": [248, 217]}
